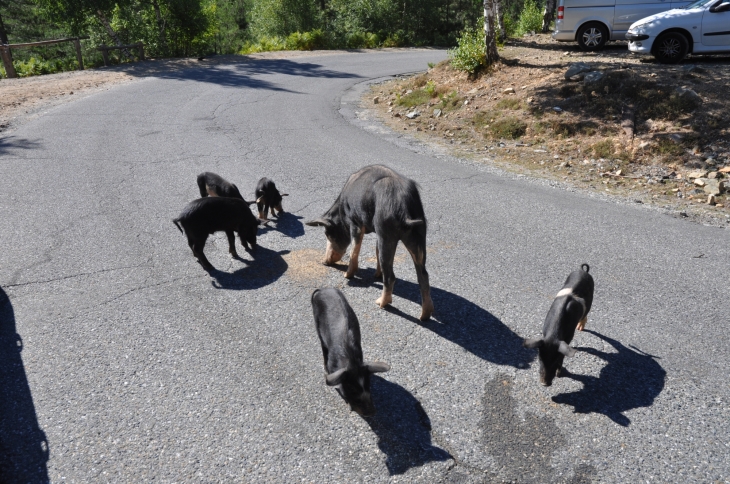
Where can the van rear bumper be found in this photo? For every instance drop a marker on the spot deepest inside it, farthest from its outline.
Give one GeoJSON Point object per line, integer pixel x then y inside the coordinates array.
{"type": "Point", "coordinates": [564, 35]}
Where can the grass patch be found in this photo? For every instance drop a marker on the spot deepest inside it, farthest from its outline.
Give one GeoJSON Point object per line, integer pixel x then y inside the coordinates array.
{"type": "Point", "coordinates": [485, 118]}
{"type": "Point", "coordinates": [449, 101]}
{"type": "Point", "coordinates": [667, 147]}
{"type": "Point", "coordinates": [417, 97]}
{"type": "Point", "coordinates": [508, 128]}
{"type": "Point", "coordinates": [509, 103]}
{"type": "Point", "coordinates": [603, 149]}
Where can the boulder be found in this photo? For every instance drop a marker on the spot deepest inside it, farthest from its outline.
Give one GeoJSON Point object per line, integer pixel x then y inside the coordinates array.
{"type": "Point", "coordinates": [577, 68]}
{"type": "Point", "coordinates": [592, 77]}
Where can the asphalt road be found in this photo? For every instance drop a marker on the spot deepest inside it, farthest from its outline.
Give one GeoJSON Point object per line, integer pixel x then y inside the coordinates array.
{"type": "Point", "coordinates": [122, 360]}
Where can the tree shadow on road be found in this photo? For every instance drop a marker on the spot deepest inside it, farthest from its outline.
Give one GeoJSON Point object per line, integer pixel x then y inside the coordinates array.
{"type": "Point", "coordinates": [235, 71]}
{"type": "Point", "coordinates": [264, 267]}
{"type": "Point", "coordinates": [630, 379]}
{"type": "Point", "coordinates": [9, 144]}
{"type": "Point", "coordinates": [403, 428]}
{"type": "Point", "coordinates": [460, 321]}
{"type": "Point", "coordinates": [23, 445]}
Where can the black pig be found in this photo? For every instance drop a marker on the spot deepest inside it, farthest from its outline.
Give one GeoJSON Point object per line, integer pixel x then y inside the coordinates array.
{"type": "Point", "coordinates": [339, 334]}
{"type": "Point", "coordinates": [217, 186]}
{"type": "Point", "coordinates": [267, 196]}
{"type": "Point", "coordinates": [377, 199]}
{"type": "Point", "coordinates": [205, 216]}
{"type": "Point", "coordinates": [568, 312]}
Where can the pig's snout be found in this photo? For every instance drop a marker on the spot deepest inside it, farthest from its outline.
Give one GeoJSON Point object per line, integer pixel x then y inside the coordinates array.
{"type": "Point", "coordinates": [332, 256]}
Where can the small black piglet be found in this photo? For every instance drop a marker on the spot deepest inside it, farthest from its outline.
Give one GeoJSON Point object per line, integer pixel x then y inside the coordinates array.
{"type": "Point", "coordinates": [268, 197]}
{"type": "Point", "coordinates": [568, 312]}
{"type": "Point", "coordinates": [339, 334]}
{"type": "Point", "coordinates": [205, 216]}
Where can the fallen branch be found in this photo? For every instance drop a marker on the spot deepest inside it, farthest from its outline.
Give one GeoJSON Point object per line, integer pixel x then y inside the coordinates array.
{"type": "Point", "coordinates": [608, 173]}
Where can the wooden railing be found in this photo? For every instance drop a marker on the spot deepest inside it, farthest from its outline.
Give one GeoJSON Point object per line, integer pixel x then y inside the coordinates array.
{"type": "Point", "coordinates": [6, 54]}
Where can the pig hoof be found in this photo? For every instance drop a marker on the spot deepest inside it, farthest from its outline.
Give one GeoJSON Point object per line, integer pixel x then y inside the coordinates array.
{"type": "Point", "coordinates": [382, 302]}
{"type": "Point", "coordinates": [426, 310]}
{"type": "Point", "coordinates": [349, 274]}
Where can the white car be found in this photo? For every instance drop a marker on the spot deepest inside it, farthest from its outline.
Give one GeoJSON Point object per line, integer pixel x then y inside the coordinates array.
{"type": "Point", "coordinates": [702, 27]}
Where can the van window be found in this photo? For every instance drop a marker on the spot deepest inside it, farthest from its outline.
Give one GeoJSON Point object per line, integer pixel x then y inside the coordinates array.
{"type": "Point", "coordinates": [697, 4]}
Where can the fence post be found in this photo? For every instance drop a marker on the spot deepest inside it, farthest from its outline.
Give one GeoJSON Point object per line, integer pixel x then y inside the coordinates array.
{"type": "Point", "coordinates": [141, 51]}
{"type": "Point", "coordinates": [104, 54]}
{"type": "Point", "coordinates": [8, 61]}
{"type": "Point", "coordinates": [77, 44]}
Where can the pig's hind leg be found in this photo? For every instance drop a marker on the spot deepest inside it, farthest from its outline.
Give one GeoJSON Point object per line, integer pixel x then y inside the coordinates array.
{"type": "Point", "coordinates": [386, 254]}
{"type": "Point", "coordinates": [582, 323]}
{"type": "Point", "coordinates": [197, 245]}
{"type": "Point", "coordinates": [417, 249]}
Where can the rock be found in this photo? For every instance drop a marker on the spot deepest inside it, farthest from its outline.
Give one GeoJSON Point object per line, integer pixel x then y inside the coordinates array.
{"type": "Point", "coordinates": [556, 157]}
{"type": "Point", "coordinates": [689, 68]}
{"type": "Point", "coordinates": [710, 161]}
{"type": "Point", "coordinates": [619, 172]}
{"type": "Point", "coordinates": [714, 187]}
{"type": "Point", "coordinates": [577, 68]}
{"type": "Point", "coordinates": [390, 103]}
{"type": "Point", "coordinates": [529, 100]}
{"type": "Point", "coordinates": [509, 90]}
{"type": "Point", "coordinates": [712, 175]}
{"type": "Point", "coordinates": [593, 77]}
{"type": "Point", "coordinates": [413, 114]}
{"type": "Point", "coordinates": [436, 113]}
{"type": "Point", "coordinates": [676, 137]}
{"type": "Point", "coordinates": [725, 169]}
{"type": "Point", "coordinates": [396, 115]}
{"type": "Point", "coordinates": [376, 100]}
{"type": "Point", "coordinates": [558, 109]}
{"type": "Point", "coordinates": [711, 200]}
{"type": "Point", "coordinates": [409, 91]}
{"type": "Point", "coordinates": [700, 182]}
{"type": "Point", "coordinates": [578, 77]}
{"type": "Point", "coordinates": [643, 145]}
{"type": "Point", "coordinates": [540, 151]}
{"type": "Point", "coordinates": [697, 174]}
{"type": "Point", "coordinates": [688, 94]}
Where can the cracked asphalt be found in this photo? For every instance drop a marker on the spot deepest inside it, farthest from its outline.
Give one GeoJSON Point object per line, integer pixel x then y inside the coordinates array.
{"type": "Point", "coordinates": [121, 360]}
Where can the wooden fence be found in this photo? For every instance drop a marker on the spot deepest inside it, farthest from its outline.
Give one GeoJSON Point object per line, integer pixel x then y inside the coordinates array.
{"type": "Point", "coordinates": [5, 52]}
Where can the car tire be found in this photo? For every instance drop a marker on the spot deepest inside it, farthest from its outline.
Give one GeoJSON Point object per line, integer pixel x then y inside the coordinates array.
{"type": "Point", "coordinates": [670, 48]}
{"type": "Point", "coordinates": [592, 36]}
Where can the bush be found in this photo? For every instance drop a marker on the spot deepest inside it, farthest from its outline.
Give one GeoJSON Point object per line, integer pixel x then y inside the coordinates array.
{"type": "Point", "coordinates": [36, 67]}
{"type": "Point", "coordinates": [362, 40]}
{"type": "Point", "coordinates": [316, 39]}
{"type": "Point", "coordinates": [509, 128]}
{"type": "Point", "coordinates": [470, 54]}
{"type": "Point", "coordinates": [530, 18]}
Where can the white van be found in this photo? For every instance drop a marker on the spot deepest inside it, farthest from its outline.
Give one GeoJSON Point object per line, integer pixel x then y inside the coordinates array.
{"type": "Point", "coordinates": [592, 23]}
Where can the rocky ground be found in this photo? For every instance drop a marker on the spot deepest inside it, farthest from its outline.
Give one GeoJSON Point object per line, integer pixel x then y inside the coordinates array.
{"type": "Point", "coordinates": [607, 121]}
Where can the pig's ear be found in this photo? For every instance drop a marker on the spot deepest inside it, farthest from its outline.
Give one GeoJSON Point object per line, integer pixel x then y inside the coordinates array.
{"type": "Point", "coordinates": [335, 378]}
{"type": "Point", "coordinates": [320, 222]}
{"type": "Point", "coordinates": [376, 366]}
{"type": "Point", "coordinates": [565, 349]}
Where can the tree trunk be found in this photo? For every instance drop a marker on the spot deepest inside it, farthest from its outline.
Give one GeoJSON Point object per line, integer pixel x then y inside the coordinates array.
{"type": "Point", "coordinates": [548, 15]}
{"type": "Point", "coordinates": [3, 32]}
{"type": "Point", "coordinates": [160, 26]}
{"type": "Point", "coordinates": [499, 15]}
{"type": "Point", "coordinates": [112, 34]}
{"type": "Point", "coordinates": [490, 34]}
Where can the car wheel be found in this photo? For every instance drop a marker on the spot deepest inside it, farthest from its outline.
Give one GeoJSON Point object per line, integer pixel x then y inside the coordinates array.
{"type": "Point", "coordinates": [592, 36]}
{"type": "Point", "coordinates": [670, 48]}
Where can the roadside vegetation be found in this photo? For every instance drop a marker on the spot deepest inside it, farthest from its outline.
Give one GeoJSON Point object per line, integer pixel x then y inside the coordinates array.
{"type": "Point", "coordinates": [655, 133]}
{"type": "Point", "coordinates": [196, 28]}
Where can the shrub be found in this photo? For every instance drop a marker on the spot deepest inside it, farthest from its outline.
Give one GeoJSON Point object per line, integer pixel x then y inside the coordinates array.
{"type": "Point", "coordinates": [420, 96]}
{"type": "Point", "coordinates": [316, 39]}
{"type": "Point", "coordinates": [512, 103]}
{"type": "Point", "coordinates": [469, 55]}
{"type": "Point", "coordinates": [509, 128]}
{"type": "Point", "coordinates": [530, 18]}
{"type": "Point", "coordinates": [603, 149]}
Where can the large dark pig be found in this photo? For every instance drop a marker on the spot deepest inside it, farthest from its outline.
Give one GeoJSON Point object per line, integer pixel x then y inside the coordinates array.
{"type": "Point", "coordinates": [377, 199]}
{"type": "Point", "coordinates": [206, 216]}
{"type": "Point", "coordinates": [339, 334]}
{"type": "Point", "coordinates": [268, 196]}
{"type": "Point", "coordinates": [568, 312]}
{"type": "Point", "coordinates": [217, 186]}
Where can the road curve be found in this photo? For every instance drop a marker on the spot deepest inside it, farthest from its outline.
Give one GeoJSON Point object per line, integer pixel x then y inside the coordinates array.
{"type": "Point", "coordinates": [122, 360]}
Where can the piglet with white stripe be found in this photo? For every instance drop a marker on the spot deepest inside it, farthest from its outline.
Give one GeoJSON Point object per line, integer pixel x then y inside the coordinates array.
{"type": "Point", "coordinates": [568, 312]}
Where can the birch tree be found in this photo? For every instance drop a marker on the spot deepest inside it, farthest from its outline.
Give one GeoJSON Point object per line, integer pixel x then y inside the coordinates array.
{"type": "Point", "coordinates": [490, 33]}
{"type": "Point", "coordinates": [548, 15]}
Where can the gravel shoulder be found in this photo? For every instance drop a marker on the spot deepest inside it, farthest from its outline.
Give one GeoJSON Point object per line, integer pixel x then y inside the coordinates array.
{"type": "Point", "coordinates": [633, 135]}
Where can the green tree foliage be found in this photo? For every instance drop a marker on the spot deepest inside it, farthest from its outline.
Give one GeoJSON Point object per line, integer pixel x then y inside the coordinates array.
{"type": "Point", "coordinates": [469, 55]}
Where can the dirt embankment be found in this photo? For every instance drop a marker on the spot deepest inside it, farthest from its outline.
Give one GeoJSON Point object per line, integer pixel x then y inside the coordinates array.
{"type": "Point", "coordinates": [626, 125]}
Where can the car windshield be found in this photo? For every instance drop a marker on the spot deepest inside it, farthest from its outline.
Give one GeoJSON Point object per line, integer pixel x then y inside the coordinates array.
{"type": "Point", "coordinates": [698, 4]}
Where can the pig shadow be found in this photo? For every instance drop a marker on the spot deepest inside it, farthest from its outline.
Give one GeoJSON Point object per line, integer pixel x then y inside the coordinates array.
{"type": "Point", "coordinates": [630, 379]}
{"type": "Point", "coordinates": [286, 223]}
{"type": "Point", "coordinates": [264, 267]}
{"type": "Point", "coordinates": [460, 321]}
{"type": "Point", "coordinates": [23, 445]}
{"type": "Point", "coordinates": [403, 428]}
